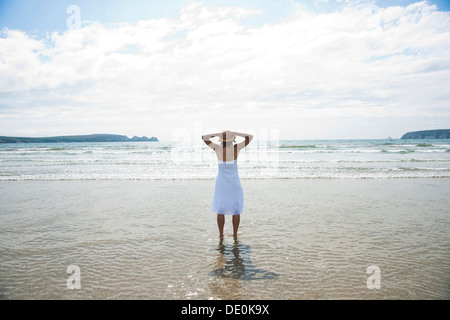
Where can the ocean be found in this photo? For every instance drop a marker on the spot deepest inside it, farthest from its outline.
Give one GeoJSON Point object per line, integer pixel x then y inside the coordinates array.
{"type": "Point", "coordinates": [323, 219]}
{"type": "Point", "coordinates": [286, 159]}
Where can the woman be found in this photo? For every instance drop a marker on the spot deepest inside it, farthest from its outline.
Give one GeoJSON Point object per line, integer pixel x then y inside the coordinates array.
{"type": "Point", "coordinates": [228, 195]}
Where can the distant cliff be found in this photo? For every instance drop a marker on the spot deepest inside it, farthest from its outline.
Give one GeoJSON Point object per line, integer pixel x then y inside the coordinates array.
{"type": "Point", "coordinates": [428, 134]}
{"type": "Point", "coordinates": [82, 138]}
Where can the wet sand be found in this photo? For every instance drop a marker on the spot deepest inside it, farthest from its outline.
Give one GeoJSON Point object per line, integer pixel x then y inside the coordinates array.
{"type": "Point", "coordinates": [299, 239]}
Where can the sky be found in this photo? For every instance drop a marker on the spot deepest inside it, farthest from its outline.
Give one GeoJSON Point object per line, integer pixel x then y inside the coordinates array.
{"type": "Point", "coordinates": [281, 69]}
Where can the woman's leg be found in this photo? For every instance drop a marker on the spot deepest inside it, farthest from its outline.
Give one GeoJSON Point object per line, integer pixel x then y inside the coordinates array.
{"type": "Point", "coordinates": [236, 220]}
{"type": "Point", "coordinates": [220, 223]}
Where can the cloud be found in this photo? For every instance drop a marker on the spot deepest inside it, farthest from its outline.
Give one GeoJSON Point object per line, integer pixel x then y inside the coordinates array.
{"type": "Point", "coordinates": [315, 69]}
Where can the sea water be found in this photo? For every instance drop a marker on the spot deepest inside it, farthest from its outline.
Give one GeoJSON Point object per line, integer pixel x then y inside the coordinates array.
{"type": "Point", "coordinates": [134, 219]}
{"type": "Point", "coordinates": [157, 239]}
{"type": "Point", "coordinates": [261, 159]}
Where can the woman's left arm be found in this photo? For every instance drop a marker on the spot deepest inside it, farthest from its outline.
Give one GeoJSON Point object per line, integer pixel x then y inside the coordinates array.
{"type": "Point", "coordinates": [206, 138]}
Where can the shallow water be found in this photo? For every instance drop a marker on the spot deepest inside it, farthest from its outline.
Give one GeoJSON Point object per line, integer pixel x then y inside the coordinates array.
{"type": "Point", "coordinates": [299, 239]}
{"type": "Point", "coordinates": [337, 159]}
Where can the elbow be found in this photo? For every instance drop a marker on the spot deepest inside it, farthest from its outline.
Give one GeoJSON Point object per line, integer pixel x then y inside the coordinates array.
{"type": "Point", "coordinates": [248, 139]}
{"type": "Point", "coordinates": [206, 140]}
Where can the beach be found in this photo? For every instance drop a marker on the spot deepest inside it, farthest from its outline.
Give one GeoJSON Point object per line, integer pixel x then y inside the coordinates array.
{"type": "Point", "coordinates": [157, 239]}
{"type": "Point", "coordinates": [120, 122]}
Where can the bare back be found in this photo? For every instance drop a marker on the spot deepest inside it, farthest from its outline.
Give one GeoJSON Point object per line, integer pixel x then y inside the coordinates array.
{"type": "Point", "coordinates": [227, 153]}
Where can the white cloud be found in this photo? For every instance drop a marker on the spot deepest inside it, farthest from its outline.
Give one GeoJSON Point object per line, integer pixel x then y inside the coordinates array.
{"type": "Point", "coordinates": [353, 67]}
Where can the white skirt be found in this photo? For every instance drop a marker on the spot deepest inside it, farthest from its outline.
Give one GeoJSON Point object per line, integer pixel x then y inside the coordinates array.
{"type": "Point", "coordinates": [228, 195]}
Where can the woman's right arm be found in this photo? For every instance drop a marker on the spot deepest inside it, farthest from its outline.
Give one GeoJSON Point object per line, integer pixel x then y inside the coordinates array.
{"type": "Point", "coordinates": [247, 136]}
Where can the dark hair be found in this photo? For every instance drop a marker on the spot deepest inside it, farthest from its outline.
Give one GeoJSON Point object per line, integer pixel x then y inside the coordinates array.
{"type": "Point", "coordinates": [224, 143]}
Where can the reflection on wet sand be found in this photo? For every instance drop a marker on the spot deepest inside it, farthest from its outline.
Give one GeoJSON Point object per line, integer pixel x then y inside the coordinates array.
{"type": "Point", "coordinates": [234, 262]}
